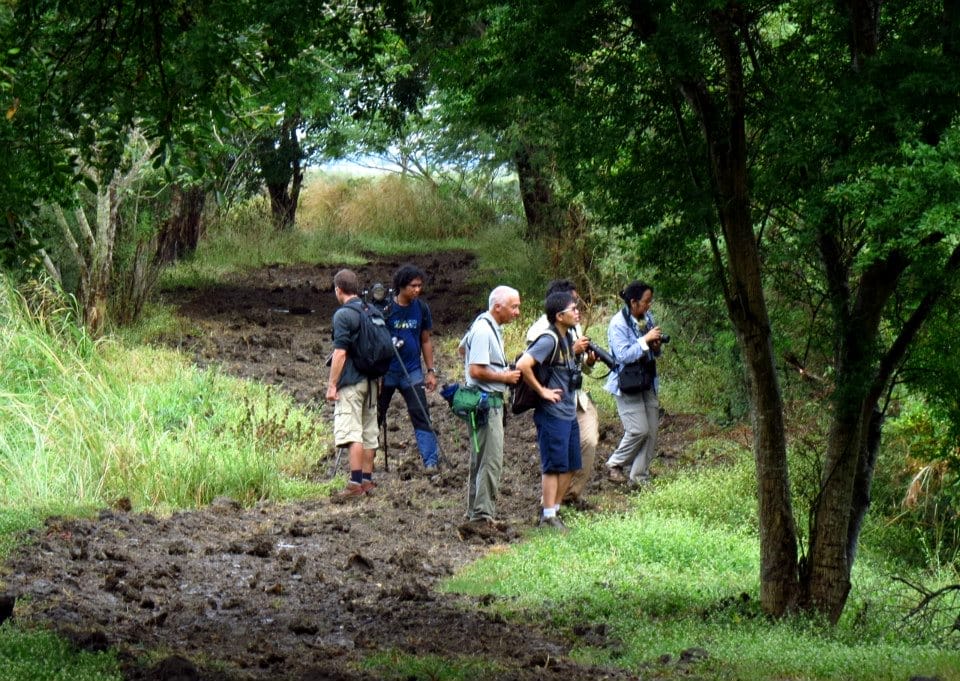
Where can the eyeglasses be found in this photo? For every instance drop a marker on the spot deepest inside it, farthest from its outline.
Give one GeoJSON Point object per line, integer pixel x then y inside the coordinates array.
{"type": "Point", "coordinates": [572, 309]}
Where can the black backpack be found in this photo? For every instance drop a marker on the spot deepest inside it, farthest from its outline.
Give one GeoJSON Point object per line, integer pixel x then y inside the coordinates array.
{"type": "Point", "coordinates": [523, 396]}
{"type": "Point", "coordinates": [372, 350]}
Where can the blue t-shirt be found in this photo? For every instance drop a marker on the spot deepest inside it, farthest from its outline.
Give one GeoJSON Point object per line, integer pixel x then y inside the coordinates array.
{"type": "Point", "coordinates": [406, 323]}
{"type": "Point", "coordinates": [542, 350]}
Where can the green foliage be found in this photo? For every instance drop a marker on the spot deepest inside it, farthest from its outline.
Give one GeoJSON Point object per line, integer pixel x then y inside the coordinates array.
{"type": "Point", "coordinates": [42, 656]}
{"type": "Point", "coordinates": [922, 494]}
{"type": "Point", "coordinates": [16, 520]}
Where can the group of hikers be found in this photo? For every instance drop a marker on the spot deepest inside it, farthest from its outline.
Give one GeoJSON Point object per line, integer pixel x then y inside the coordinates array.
{"type": "Point", "coordinates": [552, 366]}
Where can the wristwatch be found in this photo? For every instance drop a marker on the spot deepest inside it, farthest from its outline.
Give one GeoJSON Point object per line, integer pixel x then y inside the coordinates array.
{"type": "Point", "coordinates": [431, 370]}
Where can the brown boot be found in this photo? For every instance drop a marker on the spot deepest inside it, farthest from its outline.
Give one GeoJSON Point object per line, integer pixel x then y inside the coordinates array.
{"type": "Point", "coordinates": [350, 491]}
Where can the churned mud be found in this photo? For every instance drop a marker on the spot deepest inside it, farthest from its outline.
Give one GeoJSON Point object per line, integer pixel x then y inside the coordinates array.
{"type": "Point", "coordinates": [308, 590]}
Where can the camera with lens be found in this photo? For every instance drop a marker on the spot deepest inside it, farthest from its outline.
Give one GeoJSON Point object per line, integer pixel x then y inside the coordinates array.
{"type": "Point", "coordinates": [664, 339]}
{"type": "Point", "coordinates": [602, 355]}
{"type": "Point", "coordinates": [576, 380]}
{"type": "Point", "coordinates": [378, 295]}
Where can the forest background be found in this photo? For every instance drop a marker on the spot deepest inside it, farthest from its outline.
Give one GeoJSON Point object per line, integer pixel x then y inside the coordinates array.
{"type": "Point", "coordinates": [785, 172]}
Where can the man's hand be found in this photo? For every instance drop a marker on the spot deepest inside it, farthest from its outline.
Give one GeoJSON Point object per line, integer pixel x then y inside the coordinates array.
{"type": "Point", "coordinates": [332, 394]}
{"type": "Point", "coordinates": [552, 395]}
{"type": "Point", "coordinates": [580, 346]}
{"type": "Point", "coordinates": [510, 376]}
{"type": "Point", "coordinates": [430, 381]}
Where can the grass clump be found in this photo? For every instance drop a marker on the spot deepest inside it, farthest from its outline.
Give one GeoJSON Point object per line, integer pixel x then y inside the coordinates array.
{"type": "Point", "coordinates": [43, 656]}
{"type": "Point", "coordinates": [397, 666]}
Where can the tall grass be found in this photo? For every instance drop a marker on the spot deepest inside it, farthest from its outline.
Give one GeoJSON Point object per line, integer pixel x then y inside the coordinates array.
{"type": "Point", "coordinates": [95, 423]}
{"type": "Point", "coordinates": [391, 206]}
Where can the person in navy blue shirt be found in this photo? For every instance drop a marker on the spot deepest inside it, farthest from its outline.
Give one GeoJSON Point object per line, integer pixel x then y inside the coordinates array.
{"type": "Point", "coordinates": [410, 323]}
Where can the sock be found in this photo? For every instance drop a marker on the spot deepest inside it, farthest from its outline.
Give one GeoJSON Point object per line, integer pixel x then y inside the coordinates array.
{"type": "Point", "coordinates": [366, 477]}
{"type": "Point", "coordinates": [356, 477]}
{"type": "Point", "coordinates": [556, 508]}
{"type": "Point", "coordinates": [549, 512]}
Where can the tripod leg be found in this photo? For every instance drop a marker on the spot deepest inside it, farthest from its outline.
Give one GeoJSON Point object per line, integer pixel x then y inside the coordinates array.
{"type": "Point", "coordinates": [336, 463]}
{"type": "Point", "coordinates": [386, 448]}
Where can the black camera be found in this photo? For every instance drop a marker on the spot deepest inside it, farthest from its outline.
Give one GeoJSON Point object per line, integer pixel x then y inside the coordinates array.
{"type": "Point", "coordinates": [576, 380]}
{"type": "Point", "coordinates": [378, 295]}
{"type": "Point", "coordinates": [664, 339]}
{"type": "Point", "coordinates": [602, 355]}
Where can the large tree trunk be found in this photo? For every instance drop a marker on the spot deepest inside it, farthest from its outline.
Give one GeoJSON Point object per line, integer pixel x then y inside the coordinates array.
{"type": "Point", "coordinates": [180, 233]}
{"type": "Point", "coordinates": [539, 203]}
{"type": "Point", "coordinates": [863, 372]}
{"type": "Point", "coordinates": [725, 133]}
{"type": "Point", "coordinates": [281, 164]}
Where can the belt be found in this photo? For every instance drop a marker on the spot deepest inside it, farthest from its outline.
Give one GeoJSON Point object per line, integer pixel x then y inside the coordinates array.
{"type": "Point", "coordinates": [495, 399]}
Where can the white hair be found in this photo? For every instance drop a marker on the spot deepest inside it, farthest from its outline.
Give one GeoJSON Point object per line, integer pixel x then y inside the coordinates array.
{"type": "Point", "coordinates": [500, 295]}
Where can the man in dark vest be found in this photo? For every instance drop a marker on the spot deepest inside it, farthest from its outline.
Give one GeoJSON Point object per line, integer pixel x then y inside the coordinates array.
{"type": "Point", "coordinates": [353, 394]}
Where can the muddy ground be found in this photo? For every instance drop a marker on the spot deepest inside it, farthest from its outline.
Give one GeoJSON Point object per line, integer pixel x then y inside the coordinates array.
{"type": "Point", "coordinates": [308, 590]}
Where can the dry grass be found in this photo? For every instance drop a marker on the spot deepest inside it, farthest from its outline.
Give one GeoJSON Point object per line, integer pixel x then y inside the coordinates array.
{"type": "Point", "coordinates": [388, 206]}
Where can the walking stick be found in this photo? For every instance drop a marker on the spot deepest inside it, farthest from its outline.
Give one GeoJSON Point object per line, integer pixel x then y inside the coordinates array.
{"type": "Point", "coordinates": [423, 408]}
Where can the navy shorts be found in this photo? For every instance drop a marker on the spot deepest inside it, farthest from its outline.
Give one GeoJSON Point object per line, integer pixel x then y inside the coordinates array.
{"type": "Point", "coordinates": [559, 442]}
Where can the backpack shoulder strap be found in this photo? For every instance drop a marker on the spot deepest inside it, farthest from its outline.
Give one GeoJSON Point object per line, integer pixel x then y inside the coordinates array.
{"type": "Point", "coordinates": [556, 342]}
{"type": "Point", "coordinates": [503, 352]}
{"type": "Point", "coordinates": [629, 320]}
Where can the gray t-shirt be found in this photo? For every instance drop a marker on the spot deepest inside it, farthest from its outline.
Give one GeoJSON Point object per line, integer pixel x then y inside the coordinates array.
{"type": "Point", "coordinates": [346, 326]}
{"type": "Point", "coordinates": [484, 344]}
{"type": "Point", "coordinates": [543, 350]}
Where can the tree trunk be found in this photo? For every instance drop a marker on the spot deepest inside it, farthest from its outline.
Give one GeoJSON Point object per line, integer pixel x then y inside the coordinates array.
{"type": "Point", "coordinates": [725, 134]}
{"type": "Point", "coordinates": [180, 233]}
{"type": "Point", "coordinates": [863, 481]}
{"type": "Point", "coordinates": [283, 205]}
{"type": "Point", "coordinates": [539, 204]}
{"type": "Point", "coordinates": [281, 164]}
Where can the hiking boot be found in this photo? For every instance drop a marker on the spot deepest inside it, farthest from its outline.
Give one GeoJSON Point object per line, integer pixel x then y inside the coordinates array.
{"type": "Point", "coordinates": [616, 474]}
{"type": "Point", "coordinates": [350, 491]}
{"type": "Point", "coordinates": [553, 522]}
{"type": "Point", "coordinates": [367, 486]}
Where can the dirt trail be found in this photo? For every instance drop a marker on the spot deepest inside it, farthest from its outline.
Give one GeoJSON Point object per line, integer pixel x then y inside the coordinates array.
{"type": "Point", "coordinates": [306, 590]}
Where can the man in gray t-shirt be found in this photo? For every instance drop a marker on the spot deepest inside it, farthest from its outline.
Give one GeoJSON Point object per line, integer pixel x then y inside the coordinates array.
{"type": "Point", "coordinates": [486, 366]}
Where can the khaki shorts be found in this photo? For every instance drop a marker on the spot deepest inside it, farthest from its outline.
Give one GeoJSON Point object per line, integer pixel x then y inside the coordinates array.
{"type": "Point", "coordinates": [355, 415]}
